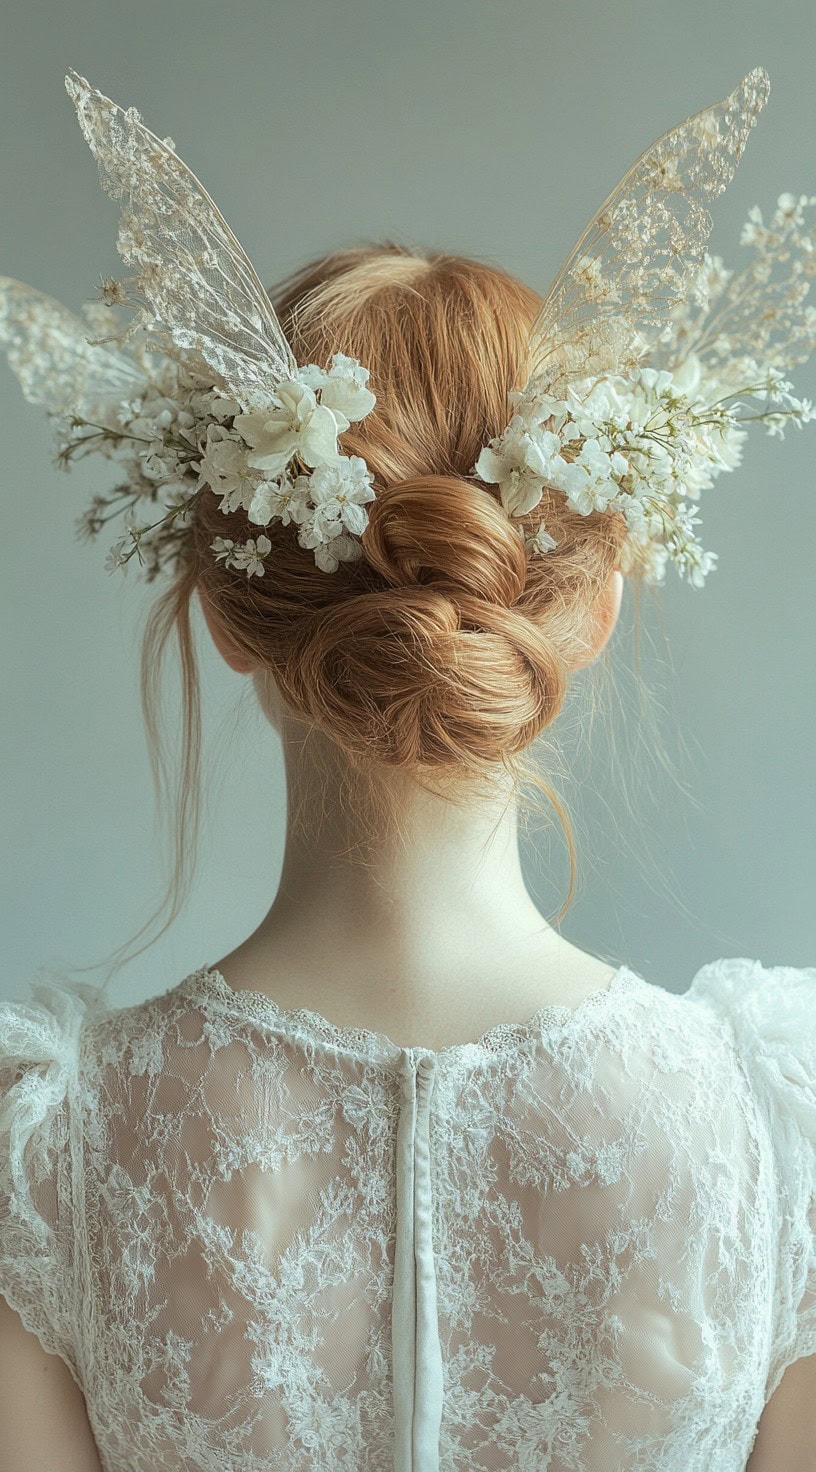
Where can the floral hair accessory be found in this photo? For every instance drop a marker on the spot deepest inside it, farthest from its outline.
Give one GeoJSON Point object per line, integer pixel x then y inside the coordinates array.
{"type": "Point", "coordinates": [646, 349]}
{"type": "Point", "coordinates": [202, 393]}
{"type": "Point", "coordinates": [641, 357]}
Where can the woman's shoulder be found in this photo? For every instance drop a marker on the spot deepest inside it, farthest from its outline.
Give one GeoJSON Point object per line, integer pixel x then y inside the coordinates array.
{"type": "Point", "coordinates": [771, 1009]}
{"type": "Point", "coordinates": [770, 1014]}
{"type": "Point", "coordinates": [40, 1044]}
{"type": "Point", "coordinates": [40, 1034]}
{"type": "Point", "coordinates": [57, 1036]}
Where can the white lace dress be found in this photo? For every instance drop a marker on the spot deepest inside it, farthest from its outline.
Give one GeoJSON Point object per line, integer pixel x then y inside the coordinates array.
{"type": "Point", "coordinates": [582, 1244]}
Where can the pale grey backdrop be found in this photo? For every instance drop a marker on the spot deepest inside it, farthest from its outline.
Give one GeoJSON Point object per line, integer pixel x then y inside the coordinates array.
{"type": "Point", "coordinates": [493, 129]}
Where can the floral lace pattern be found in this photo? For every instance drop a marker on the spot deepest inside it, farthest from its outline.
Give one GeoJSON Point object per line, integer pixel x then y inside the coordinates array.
{"type": "Point", "coordinates": [586, 1241]}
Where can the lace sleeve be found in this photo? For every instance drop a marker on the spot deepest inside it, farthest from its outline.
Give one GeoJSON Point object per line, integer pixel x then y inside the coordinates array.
{"type": "Point", "coordinates": [39, 1047]}
{"type": "Point", "coordinates": [773, 1013]}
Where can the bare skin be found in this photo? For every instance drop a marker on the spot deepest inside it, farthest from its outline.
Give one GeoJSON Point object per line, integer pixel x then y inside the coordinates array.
{"type": "Point", "coordinates": [434, 943]}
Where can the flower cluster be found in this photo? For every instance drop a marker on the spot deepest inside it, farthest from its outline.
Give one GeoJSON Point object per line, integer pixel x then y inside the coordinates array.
{"type": "Point", "coordinates": [280, 461]}
{"type": "Point", "coordinates": [648, 442]}
{"type": "Point", "coordinates": [643, 443]}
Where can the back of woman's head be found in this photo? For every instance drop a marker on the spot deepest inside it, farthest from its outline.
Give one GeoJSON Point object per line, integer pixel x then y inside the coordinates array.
{"type": "Point", "coordinates": [446, 649]}
{"type": "Point", "coordinates": [440, 655]}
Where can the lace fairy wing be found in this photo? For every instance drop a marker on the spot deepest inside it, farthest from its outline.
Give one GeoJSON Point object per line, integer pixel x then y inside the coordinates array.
{"type": "Point", "coordinates": [195, 281]}
{"type": "Point", "coordinates": [636, 258]}
{"type": "Point", "coordinates": [48, 349]}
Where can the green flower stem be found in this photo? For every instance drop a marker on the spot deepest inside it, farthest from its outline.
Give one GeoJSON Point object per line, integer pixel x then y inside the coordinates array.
{"type": "Point", "coordinates": [173, 512]}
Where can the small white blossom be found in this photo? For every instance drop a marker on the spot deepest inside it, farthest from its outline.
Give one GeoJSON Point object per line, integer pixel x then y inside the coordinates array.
{"type": "Point", "coordinates": [116, 557]}
{"type": "Point", "coordinates": [339, 494]}
{"type": "Point", "coordinates": [753, 231]}
{"type": "Point", "coordinates": [519, 462]}
{"type": "Point", "coordinates": [225, 470]}
{"type": "Point", "coordinates": [245, 556]}
{"type": "Point", "coordinates": [343, 389]}
{"type": "Point", "coordinates": [657, 560]}
{"type": "Point", "coordinates": [282, 500]}
{"type": "Point", "coordinates": [329, 551]}
{"type": "Point", "coordinates": [156, 414]}
{"type": "Point", "coordinates": [222, 547]}
{"type": "Point", "coordinates": [540, 541]}
{"type": "Point", "coordinates": [296, 425]}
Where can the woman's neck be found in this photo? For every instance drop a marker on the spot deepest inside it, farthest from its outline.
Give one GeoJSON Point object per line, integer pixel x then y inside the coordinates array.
{"type": "Point", "coordinates": [437, 920]}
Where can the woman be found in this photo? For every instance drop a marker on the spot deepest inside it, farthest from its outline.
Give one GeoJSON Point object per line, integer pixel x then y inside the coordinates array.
{"type": "Point", "coordinates": [406, 1180]}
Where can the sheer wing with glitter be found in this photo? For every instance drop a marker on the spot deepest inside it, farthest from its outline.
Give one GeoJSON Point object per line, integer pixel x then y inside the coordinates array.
{"type": "Point", "coordinates": [197, 288]}
{"type": "Point", "coordinates": [49, 349]}
{"type": "Point", "coordinates": [636, 258]}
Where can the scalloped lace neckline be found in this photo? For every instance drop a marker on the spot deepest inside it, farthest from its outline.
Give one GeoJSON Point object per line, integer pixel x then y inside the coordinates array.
{"type": "Point", "coordinates": [365, 1043]}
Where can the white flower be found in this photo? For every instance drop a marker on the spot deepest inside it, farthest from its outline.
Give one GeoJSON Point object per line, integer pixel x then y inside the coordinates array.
{"type": "Point", "coordinates": [727, 447]}
{"type": "Point", "coordinates": [595, 460]}
{"type": "Point", "coordinates": [643, 518]}
{"type": "Point", "coordinates": [706, 287]}
{"type": "Point", "coordinates": [537, 407]}
{"type": "Point", "coordinates": [520, 462]}
{"type": "Point", "coordinates": [312, 376]}
{"type": "Point", "coordinates": [657, 380]}
{"type": "Point", "coordinates": [224, 468]}
{"type": "Point", "coordinates": [526, 445]}
{"type": "Point", "coordinates": [572, 479]}
{"type": "Point", "coordinates": [156, 414]}
{"type": "Point", "coordinates": [253, 553]}
{"type": "Point", "coordinates": [635, 516]}
{"type": "Point", "coordinates": [589, 497]}
{"type": "Point", "coordinates": [688, 375]}
{"type": "Point", "coordinates": [328, 554]}
{"type": "Point", "coordinates": [540, 541]}
{"type": "Point", "coordinates": [113, 413]}
{"type": "Point", "coordinates": [344, 390]}
{"type": "Point", "coordinates": [222, 547]}
{"type": "Point", "coordinates": [212, 403]}
{"type": "Point", "coordinates": [298, 425]}
{"type": "Point", "coordinates": [116, 557]}
{"type": "Point", "coordinates": [753, 231]}
{"type": "Point", "coordinates": [135, 532]}
{"type": "Point", "coordinates": [280, 501]}
{"type": "Point", "coordinates": [161, 462]}
{"type": "Point", "coordinates": [339, 494]}
{"type": "Point", "coordinates": [246, 556]}
{"type": "Point", "coordinates": [604, 402]}
{"type": "Point", "coordinates": [655, 565]}
{"type": "Point", "coordinates": [699, 571]}
{"type": "Point", "coordinates": [789, 209]}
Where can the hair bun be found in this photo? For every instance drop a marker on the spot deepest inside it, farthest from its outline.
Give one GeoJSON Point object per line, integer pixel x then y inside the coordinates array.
{"type": "Point", "coordinates": [440, 667]}
{"type": "Point", "coordinates": [445, 530]}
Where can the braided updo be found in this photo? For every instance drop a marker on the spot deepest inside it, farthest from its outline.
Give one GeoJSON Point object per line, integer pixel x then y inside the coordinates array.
{"type": "Point", "coordinates": [445, 650]}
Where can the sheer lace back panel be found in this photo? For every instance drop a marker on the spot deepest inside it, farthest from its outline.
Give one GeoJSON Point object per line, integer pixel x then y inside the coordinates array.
{"type": "Point", "coordinates": [560, 1247]}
